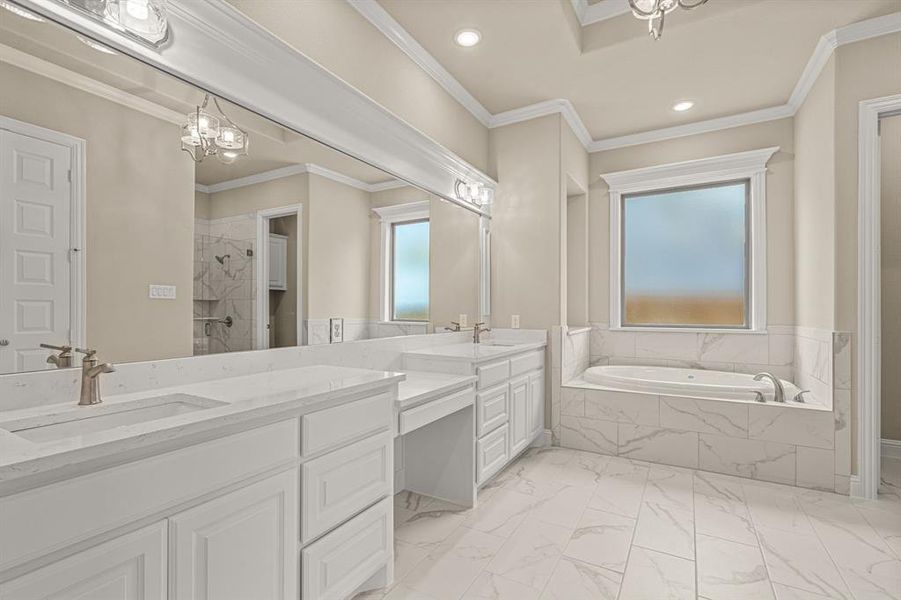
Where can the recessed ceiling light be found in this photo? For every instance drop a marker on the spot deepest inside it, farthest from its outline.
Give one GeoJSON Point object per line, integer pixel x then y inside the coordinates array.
{"type": "Point", "coordinates": [683, 105]}
{"type": "Point", "coordinates": [95, 45]}
{"type": "Point", "coordinates": [467, 37]}
{"type": "Point", "coordinates": [25, 14]}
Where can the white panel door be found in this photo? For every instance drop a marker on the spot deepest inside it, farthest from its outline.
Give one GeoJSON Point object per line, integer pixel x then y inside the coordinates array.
{"type": "Point", "coordinates": [240, 546]}
{"type": "Point", "coordinates": [520, 415]}
{"type": "Point", "coordinates": [35, 207]}
{"type": "Point", "coordinates": [131, 567]}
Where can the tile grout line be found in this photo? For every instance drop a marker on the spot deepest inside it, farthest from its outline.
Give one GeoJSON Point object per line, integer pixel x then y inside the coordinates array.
{"type": "Point", "coordinates": [632, 540]}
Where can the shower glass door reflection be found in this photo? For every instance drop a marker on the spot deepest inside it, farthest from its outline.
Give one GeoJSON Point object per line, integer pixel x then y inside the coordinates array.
{"type": "Point", "coordinates": [224, 293]}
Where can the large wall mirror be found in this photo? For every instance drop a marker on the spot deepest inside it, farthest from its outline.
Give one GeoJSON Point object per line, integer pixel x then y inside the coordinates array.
{"type": "Point", "coordinates": [143, 218]}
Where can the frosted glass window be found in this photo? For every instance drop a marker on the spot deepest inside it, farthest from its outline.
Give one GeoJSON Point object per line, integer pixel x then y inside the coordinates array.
{"type": "Point", "coordinates": [685, 257]}
{"type": "Point", "coordinates": [410, 271]}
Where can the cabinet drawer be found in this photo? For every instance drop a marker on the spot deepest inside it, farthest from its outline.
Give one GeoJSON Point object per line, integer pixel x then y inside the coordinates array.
{"type": "Point", "coordinates": [492, 408]}
{"type": "Point", "coordinates": [342, 483]}
{"type": "Point", "coordinates": [492, 453]}
{"type": "Point", "coordinates": [343, 560]}
{"type": "Point", "coordinates": [526, 362]}
{"type": "Point", "coordinates": [493, 373]}
{"type": "Point", "coordinates": [334, 427]}
{"type": "Point", "coordinates": [432, 411]}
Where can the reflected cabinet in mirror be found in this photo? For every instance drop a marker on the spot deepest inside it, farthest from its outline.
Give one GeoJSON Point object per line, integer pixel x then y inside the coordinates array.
{"type": "Point", "coordinates": [146, 219]}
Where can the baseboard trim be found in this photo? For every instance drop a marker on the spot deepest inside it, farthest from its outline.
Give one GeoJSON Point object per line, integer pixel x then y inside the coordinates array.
{"type": "Point", "coordinates": [891, 448]}
{"type": "Point", "coordinates": [542, 440]}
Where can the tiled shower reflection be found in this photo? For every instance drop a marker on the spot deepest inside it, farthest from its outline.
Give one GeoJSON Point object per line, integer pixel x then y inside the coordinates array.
{"type": "Point", "coordinates": [223, 294]}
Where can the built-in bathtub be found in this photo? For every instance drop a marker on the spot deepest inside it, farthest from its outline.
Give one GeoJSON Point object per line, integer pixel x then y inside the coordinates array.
{"type": "Point", "coordinates": [694, 383]}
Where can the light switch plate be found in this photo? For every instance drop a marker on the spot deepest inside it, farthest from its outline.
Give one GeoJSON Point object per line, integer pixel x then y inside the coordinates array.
{"type": "Point", "coordinates": [514, 321]}
{"type": "Point", "coordinates": [464, 320]}
{"type": "Point", "coordinates": [162, 292]}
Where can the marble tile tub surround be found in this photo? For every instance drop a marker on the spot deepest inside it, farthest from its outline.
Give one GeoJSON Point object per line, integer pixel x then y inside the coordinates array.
{"type": "Point", "coordinates": [783, 444]}
{"type": "Point", "coordinates": [24, 390]}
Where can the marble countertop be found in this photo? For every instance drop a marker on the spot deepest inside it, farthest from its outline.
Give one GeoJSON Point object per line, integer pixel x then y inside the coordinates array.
{"type": "Point", "coordinates": [239, 399]}
{"type": "Point", "coordinates": [421, 386]}
{"type": "Point", "coordinates": [470, 352]}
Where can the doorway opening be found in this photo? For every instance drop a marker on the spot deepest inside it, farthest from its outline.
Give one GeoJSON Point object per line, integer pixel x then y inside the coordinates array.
{"type": "Point", "coordinates": [279, 281]}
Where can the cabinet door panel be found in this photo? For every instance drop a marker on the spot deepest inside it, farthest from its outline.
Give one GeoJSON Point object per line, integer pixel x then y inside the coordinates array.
{"type": "Point", "coordinates": [520, 415]}
{"type": "Point", "coordinates": [131, 567]}
{"type": "Point", "coordinates": [536, 400]}
{"type": "Point", "coordinates": [242, 545]}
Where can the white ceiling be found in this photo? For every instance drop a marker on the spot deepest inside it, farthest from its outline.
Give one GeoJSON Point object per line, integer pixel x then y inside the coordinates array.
{"type": "Point", "coordinates": [729, 56]}
{"type": "Point", "coordinates": [271, 147]}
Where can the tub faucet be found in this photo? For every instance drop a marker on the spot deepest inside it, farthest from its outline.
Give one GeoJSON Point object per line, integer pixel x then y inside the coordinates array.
{"type": "Point", "coordinates": [90, 371]}
{"type": "Point", "coordinates": [778, 390]}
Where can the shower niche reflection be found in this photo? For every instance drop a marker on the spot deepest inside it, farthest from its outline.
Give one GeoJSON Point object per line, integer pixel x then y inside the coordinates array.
{"type": "Point", "coordinates": [224, 290]}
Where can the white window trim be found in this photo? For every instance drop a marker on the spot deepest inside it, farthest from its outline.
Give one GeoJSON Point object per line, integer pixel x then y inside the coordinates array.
{"type": "Point", "coordinates": [718, 169]}
{"type": "Point", "coordinates": [388, 216]}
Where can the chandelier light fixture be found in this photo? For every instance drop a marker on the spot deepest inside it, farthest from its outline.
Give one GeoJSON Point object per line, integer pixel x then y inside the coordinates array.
{"type": "Point", "coordinates": [655, 11]}
{"type": "Point", "coordinates": [143, 20]}
{"type": "Point", "coordinates": [205, 135]}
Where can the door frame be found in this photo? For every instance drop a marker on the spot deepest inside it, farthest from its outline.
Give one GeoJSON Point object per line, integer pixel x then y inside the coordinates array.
{"type": "Point", "coordinates": [77, 218]}
{"type": "Point", "coordinates": [869, 287]}
{"type": "Point", "coordinates": [261, 309]}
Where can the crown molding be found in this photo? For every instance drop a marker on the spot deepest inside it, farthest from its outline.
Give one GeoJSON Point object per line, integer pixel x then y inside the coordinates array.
{"type": "Point", "coordinates": [540, 109]}
{"type": "Point", "coordinates": [410, 210]}
{"type": "Point", "coordinates": [668, 133]}
{"type": "Point", "coordinates": [384, 22]}
{"type": "Point", "coordinates": [81, 82]}
{"type": "Point", "coordinates": [607, 9]}
{"type": "Point", "coordinates": [300, 169]}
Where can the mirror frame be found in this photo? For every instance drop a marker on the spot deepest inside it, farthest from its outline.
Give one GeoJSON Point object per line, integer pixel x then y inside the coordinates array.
{"type": "Point", "coordinates": [244, 63]}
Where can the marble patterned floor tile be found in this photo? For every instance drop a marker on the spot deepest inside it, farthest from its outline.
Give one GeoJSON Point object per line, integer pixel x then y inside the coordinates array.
{"type": "Point", "coordinates": [489, 586]}
{"type": "Point", "coordinates": [887, 523]}
{"type": "Point", "coordinates": [403, 592]}
{"type": "Point", "coordinates": [602, 539]}
{"type": "Point", "coordinates": [776, 507]}
{"type": "Point", "coordinates": [724, 518]}
{"type": "Point", "coordinates": [731, 571]}
{"type": "Point", "coordinates": [670, 486]}
{"type": "Point", "coordinates": [450, 568]}
{"type": "Point", "coordinates": [620, 489]}
{"type": "Point", "coordinates": [666, 529]}
{"type": "Point", "coordinates": [563, 508]}
{"type": "Point", "coordinates": [425, 528]}
{"type": "Point", "coordinates": [530, 555]}
{"type": "Point", "coordinates": [784, 592]}
{"type": "Point", "coordinates": [653, 575]}
{"type": "Point", "coordinates": [501, 514]}
{"type": "Point", "coordinates": [801, 561]}
{"type": "Point", "coordinates": [575, 580]}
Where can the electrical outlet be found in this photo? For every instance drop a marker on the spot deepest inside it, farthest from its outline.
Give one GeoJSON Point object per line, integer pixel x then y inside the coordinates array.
{"type": "Point", "coordinates": [514, 321]}
{"type": "Point", "coordinates": [464, 320]}
{"type": "Point", "coordinates": [162, 292]}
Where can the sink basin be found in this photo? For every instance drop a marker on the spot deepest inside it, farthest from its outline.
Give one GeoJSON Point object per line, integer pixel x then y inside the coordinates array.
{"type": "Point", "coordinates": [500, 344]}
{"type": "Point", "coordinates": [82, 420]}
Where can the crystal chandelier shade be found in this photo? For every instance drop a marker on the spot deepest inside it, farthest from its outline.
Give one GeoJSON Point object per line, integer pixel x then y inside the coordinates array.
{"type": "Point", "coordinates": [146, 20]}
{"type": "Point", "coordinates": [655, 11]}
{"type": "Point", "coordinates": [204, 135]}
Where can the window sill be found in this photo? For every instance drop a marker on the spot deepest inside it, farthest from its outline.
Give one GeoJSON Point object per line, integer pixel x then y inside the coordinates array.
{"type": "Point", "coordinates": [758, 331]}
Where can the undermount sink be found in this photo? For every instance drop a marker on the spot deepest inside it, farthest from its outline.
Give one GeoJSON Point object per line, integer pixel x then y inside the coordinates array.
{"type": "Point", "coordinates": [82, 420]}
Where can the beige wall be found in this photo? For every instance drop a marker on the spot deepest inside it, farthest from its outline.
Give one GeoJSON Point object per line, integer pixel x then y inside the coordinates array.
{"type": "Point", "coordinates": [574, 215]}
{"type": "Point", "coordinates": [336, 36]}
{"type": "Point", "coordinates": [453, 264]}
{"type": "Point", "coordinates": [201, 205]}
{"type": "Point", "coordinates": [891, 277]}
{"type": "Point", "coordinates": [868, 69]}
{"type": "Point", "coordinates": [251, 198]}
{"type": "Point", "coordinates": [139, 215]}
{"type": "Point", "coordinates": [525, 249]}
{"type": "Point", "coordinates": [814, 217]}
{"type": "Point", "coordinates": [779, 209]}
{"type": "Point", "coordinates": [338, 249]}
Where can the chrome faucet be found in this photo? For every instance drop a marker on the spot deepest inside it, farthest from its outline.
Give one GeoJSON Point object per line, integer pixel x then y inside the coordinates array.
{"type": "Point", "coordinates": [455, 326]}
{"type": "Point", "coordinates": [477, 331]}
{"type": "Point", "coordinates": [90, 371]}
{"type": "Point", "coordinates": [63, 360]}
{"type": "Point", "coordinates": [778, 390]}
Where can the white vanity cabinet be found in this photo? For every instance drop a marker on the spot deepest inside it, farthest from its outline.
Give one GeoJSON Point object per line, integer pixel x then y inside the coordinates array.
{"type": "Point", "coordinates": [509, 403]}
{"type": "Point", "coordinates": [236, 516]}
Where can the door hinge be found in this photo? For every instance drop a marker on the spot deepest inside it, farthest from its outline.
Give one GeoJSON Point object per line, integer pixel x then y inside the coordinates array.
{"type": "Point", "coordinates": [69, 175]}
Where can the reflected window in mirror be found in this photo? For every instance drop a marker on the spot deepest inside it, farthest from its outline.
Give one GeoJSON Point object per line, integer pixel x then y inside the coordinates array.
{"type": "Point", "coordinates": [410, 271]}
